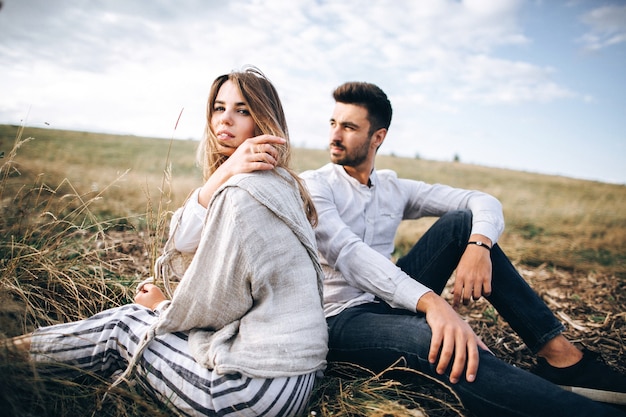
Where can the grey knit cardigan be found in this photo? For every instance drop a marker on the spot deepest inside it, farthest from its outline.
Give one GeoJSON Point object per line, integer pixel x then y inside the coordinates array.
{"type": "Point", "coordinates": [251, 298]}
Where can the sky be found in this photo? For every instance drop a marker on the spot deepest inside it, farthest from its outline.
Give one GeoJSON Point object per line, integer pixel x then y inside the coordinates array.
{"type": "Point", "coordinates": [531, 85]}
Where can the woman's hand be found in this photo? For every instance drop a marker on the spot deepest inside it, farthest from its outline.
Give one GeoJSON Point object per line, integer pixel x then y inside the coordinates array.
{"type": "Point", "coordinates": [255, 154]}
{"type": "Point", "coordinates": [150, 296]}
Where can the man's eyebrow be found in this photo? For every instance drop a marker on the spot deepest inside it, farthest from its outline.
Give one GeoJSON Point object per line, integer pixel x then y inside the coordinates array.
{"type": "Point", "coordinates": [346, 123]}
{"type": "Point", "coordinates": [349, 124]}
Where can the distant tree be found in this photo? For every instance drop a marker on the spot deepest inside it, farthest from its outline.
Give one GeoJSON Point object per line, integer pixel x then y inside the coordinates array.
{"type": "Point", "coordinates": [456, 158]}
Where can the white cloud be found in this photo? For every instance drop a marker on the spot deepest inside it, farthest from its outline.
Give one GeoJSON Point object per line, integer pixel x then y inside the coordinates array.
{"type": "Point", "coordinates": [130, 66]}
{"type": "Point", "coordinates": [607, 27]}
{"type": "Point", "coordinates": [299, 39]}
{"type": "Point", "coordinates": [488, 80]}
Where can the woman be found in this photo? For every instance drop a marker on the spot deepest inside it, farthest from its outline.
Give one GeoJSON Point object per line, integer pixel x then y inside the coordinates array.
{"type": "Point", "coordinates": [244, 333]}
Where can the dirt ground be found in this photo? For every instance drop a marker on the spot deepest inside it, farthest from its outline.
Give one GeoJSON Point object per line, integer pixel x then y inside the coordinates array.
{"type": "Point", "coordinates": [590, 306]}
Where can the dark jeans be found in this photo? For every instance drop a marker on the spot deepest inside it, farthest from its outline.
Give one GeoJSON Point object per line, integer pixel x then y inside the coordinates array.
{"type": "Point", "coordinates": [375, 335]}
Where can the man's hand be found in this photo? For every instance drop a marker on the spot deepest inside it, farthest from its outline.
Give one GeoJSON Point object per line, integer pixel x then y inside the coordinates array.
{"type": "Point", "coordinates": [149, 296]}
{"type": "Point", "coordinates": [473, 273]}
{"type": "Point", "coordinates": [451, 338]}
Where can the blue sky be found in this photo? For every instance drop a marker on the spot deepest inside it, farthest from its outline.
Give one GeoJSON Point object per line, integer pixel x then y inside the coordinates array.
{"type": "Point", "coordinates": [538, 86]}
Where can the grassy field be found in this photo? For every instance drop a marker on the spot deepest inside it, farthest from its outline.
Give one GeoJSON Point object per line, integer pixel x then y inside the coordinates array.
{"type": "Point", "coordinates": [567, 223]}
{"type": "Point", "coordinates": [84, 216]}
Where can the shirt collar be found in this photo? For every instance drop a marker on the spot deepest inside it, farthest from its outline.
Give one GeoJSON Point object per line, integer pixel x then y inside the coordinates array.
{"type": "Point", "coordinates": [373, 179]}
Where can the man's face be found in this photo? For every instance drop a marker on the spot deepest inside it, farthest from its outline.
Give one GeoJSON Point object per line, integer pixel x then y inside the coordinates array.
{"type": "Point", "coordinates": [349, 135]}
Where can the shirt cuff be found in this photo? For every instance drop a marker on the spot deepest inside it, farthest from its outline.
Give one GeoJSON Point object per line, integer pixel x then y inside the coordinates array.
{"type": "Point", "coordinates": [486, 229]}
{"type": "Point", "coordinates": [162, 306]}
{"type": "Point", "coordinates": [196, 208]}
{"type": "Point", "coordinates": [408, 293]}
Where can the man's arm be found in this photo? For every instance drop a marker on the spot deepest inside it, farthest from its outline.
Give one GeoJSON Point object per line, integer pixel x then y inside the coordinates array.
{"type": "Point", "coordinates": [361, 266]}
{"type": "Point", "coordinates": [473, 272]}
{"type": "Point", "coordinates": [370, 271]}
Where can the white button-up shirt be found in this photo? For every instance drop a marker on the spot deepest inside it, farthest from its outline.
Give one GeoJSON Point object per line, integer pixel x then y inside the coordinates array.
{"type": "Point", "coordinates": [358, 223]}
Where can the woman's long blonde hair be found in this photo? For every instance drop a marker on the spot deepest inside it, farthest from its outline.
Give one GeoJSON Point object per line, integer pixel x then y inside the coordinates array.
{"type": "Point", "coordinates": [269, 118]}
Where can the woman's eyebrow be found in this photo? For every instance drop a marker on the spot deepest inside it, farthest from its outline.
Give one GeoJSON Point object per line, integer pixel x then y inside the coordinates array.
{"type": "Point", "coordinates": [237, 104]}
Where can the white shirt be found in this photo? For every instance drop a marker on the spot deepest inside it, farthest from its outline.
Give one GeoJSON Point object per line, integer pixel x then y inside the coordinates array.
{"type": "Point", "coordinates": [190, 219]}
{"type": "Point", "coordinates": [358, 223]}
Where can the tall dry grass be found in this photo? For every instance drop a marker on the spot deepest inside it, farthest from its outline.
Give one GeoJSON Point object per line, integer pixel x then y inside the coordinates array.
{"type": "Point", "coordinates": [83, 216]}
{"type": "Point", "coordinates": [58, 263]}
{"type": "Point", "coordinates": [570, 224]}
{"type": "Point", "coordinates": [564, 223]}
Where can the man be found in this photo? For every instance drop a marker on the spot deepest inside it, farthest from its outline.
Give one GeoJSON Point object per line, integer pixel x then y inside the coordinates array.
{"type": "Point", "coordinates": [378, 311]}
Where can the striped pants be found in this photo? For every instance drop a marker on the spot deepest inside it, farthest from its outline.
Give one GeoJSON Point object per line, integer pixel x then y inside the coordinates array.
{"type": "Point", "coordinates": [105, 343]}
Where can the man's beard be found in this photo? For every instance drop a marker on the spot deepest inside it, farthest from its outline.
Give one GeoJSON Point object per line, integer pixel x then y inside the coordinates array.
{"type": "Point", "coordinates": [353, 158]}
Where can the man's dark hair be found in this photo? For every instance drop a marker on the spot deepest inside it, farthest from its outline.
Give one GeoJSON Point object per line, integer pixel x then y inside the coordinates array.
{"type": "Point", "coordinates": [369, 96]}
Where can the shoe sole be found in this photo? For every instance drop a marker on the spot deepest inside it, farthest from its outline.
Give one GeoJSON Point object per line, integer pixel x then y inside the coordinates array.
{"type": "Point", "coordinates": [597, 395]}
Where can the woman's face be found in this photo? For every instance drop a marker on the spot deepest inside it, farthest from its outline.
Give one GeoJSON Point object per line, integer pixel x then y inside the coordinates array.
{"type": "Point", "coordinates": [231, 120]}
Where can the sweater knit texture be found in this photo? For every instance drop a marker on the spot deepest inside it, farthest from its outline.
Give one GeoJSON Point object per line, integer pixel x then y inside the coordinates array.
{"type": "Point", "coordinates": [251, 298]}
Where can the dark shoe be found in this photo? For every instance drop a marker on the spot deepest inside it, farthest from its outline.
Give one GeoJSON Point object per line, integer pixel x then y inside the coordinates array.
{"type": "Point", "coordinates": [590, 377]}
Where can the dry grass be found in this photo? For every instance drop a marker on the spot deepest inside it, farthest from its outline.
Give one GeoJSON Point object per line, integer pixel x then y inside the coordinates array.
{"type": "Point", "coordinates": [49, 235]}
{"type": "Point", "coordinates": [567, 223]}
{"type": "Point", "coordinates": [83, 217]}
{"type": "Point", "coordinates": [59, 263]}
{"type": "Point", "coordinates": [350, 390]}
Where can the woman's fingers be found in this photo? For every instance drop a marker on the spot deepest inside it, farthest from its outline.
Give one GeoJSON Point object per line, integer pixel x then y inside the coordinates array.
{"type": "Point", "coordinates": [140, 286]}
{"type": "Point", "coordinates": [264, 147]}
{"type": "Point", "coordinates": [256, 154]}
{"type": "Point", "coordinates": [264, 152]}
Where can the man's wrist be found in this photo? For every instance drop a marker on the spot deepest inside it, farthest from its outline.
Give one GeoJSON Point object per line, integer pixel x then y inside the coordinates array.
{"type": "Point", "coordinates": [425, 300]}
{"type": "Point", "coordinates": [480, 243]}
